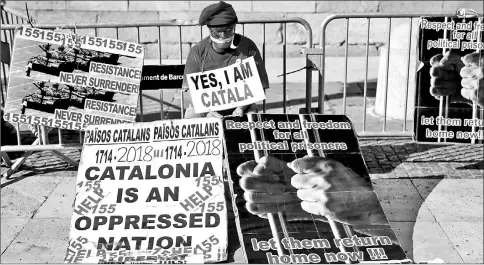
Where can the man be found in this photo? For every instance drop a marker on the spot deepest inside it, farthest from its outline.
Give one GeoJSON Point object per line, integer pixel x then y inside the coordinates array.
{"type": "Point", "coordinates": [313, 188]}
{"type": "Point", "coordinates": [222, 48]}
{"type": "Point", "coordinates": [460, 78]}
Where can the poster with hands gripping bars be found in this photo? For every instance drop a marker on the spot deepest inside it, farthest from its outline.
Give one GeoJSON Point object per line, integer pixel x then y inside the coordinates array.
{"type": "Point", "coordinates": [225, 88]}
{"type": "Point", "coordinates": [449, 103]}
{"type": "Point", "coordinates": [281, 206]}
{"type": "Point", "coordinates": [150, 193]}
{"type": "Point", "coordinates": [68, 81]}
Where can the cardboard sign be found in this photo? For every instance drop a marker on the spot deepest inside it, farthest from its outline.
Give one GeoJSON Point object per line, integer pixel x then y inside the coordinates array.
{"type": "Point", "coordinates": [452, 118]}
{"type": "Point", "coordinates": [162, 77]}
{"type": "Point", "coordinates": [150, 192]}
{"type": "Point", "coordinates": [225, 88]}
{"type": "Point", "coordinates": [306, 237]}
{"type": "Point", "coordinates": [68, 81]}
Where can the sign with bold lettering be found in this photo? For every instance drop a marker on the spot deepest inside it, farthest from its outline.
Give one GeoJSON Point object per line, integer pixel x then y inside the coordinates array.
{"type": "Point", "coordinates": [162, 77]}
{"type": "Point", "coordinates": [150, 192]}
{"type": "Point", "coordinates": [225, 88]}
{"type": "Point", "coordinates": [289, 174]}
{"type": "Point", "coordinates": [69, 81]}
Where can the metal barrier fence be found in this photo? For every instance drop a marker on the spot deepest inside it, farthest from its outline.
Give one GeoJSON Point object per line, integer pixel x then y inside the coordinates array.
{"type": "Point", "coordinates": [41, 144]}
{"type": "Point", "coordinates": [322, 68]}
{"type": "Point", "coordinates": [9, 16]}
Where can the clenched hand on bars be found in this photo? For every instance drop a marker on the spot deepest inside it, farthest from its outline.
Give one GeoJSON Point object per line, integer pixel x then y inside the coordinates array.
{"type": "Point", "coordinates": [310, 185]}
{"type": "Point", "coordinates": [460, 77]}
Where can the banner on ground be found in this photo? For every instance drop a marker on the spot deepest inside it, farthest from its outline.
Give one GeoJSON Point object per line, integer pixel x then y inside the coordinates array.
{"type": "Point", "coordinates": [337, 167]}
{"type": "Point", "coordinates": [68, 81]}
{"type": "Point", "coordinates": [451, 118]}
{"type": "Point", "coordinates": [150, 192]}
{"type": "Point", "coordinates": [225, 88]}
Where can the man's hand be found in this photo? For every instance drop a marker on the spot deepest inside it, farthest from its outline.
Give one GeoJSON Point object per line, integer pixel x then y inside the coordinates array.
{"type": "Point", "coordinates": [473, 77]}
{"type": "Point", "coordinates": [268, 190]}
{"type": "Point", "coordinates": [215, 114]}
{"type": "Point", "coordinates": [445, 79]}
{"type": "Point", "coordinates": [238, 112]}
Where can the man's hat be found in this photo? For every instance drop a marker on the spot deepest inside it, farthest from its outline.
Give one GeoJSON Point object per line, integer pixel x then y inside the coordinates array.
{"type": "Point", "coordinates": [218, 14]}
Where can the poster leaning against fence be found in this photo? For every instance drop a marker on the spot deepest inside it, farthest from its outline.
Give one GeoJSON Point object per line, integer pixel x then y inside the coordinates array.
{"type": "Point", "coordinates": [151, 193]}
{"type": "Point", "coordinates": [450, 89]}
{"type": "Point", "coordinates": [63, 80]}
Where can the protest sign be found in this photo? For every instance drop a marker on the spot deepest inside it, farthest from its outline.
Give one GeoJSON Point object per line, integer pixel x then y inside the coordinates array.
{"type": "Point", "coordinates": [162, 77]}
{"type": "Point", "coordinates": [68, 81]}
{"type": "Point", "coordinates": [225, 88]}
{"type": "Point", "coordinates": [442, 114]}
{"type": "Point", "coordinates": [305, 237]}
{"type": "Point", "coordinates": [150, 192]}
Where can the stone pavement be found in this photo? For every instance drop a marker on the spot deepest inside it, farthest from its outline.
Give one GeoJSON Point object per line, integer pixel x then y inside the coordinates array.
{"type": "Point", "coordinates": [432, 194]}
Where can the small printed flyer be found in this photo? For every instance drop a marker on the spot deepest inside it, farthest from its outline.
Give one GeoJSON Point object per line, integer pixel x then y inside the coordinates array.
{"type": "Point", "coordinates": [449, 99]}
{"type": "Point", "coordinates": [150, 193]}
{"type": "Point", "coordinates": [69, 81]}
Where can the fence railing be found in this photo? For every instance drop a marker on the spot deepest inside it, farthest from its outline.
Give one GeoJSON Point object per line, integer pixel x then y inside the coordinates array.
{"type": "Point", "coordinates": [9, 17]}
{"type": "Point", "coordinates": [100, 29]}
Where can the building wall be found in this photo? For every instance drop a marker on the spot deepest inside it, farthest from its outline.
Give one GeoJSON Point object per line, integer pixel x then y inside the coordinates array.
{"type": "Point", "coordinates": [314, 12]}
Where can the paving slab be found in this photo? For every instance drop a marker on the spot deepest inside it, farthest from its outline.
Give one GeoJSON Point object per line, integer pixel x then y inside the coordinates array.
{"type": "Point", "coordinates": [467, 238]}
{"type": "Point", "coordinates": [41, 241]}
{"type": "Point", "coordinates": [24, 193]}
{"type": "Point", "coordinates": [425, 186]}
{"type": "Point", "coordinates": [11, 228]}
{"type": "Point", "coordinates": [404, 233]}
{"type": "Point", "coordinates": [457, 200]}
{"type": "Point", "coordinates": [431, 243]}
{"type": "Point", "coordinates": [59, 203]}
{"type": "Point", "coordinates": [401, 201]}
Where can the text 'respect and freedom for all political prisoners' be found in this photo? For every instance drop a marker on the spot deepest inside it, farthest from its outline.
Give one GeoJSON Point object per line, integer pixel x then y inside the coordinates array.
{"type": "Point", "coordinates": [464, 34]}
{"type": "Point", "coordinates": [229, 87]}
{"type": "Point", "coordinates": [299, 134]}
{"type": "Point", "coordinates": [70, 81]}
{"type": "Point", "coordinates": [150, 192]}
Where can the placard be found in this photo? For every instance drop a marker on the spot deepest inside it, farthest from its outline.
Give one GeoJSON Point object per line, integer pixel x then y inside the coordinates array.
{"type": "Point", "coordinates": [150, 192]}
{"type": "Point", "coordinates": [69, 81]}
{"type": "Point", "coordinates": [225, 88]}
{"type": "Point", "coordinates": [162, 77]}
{"type": "Point", "coordinates": [305, 237]}
{"type": "Point", "coordinates": [451, 118]}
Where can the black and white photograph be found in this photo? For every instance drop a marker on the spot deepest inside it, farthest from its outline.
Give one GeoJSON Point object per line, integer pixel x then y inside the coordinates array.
{"type": "Point", "coordinates": [242, 132]}
{"type": "Point", "coordinates": [38, 87]}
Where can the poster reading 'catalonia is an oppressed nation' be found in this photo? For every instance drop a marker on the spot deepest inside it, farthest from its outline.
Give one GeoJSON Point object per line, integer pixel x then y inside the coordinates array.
{"type": "Point", "coordinates": [63, 80]}
{"type": "Point", "coordinates": [150, 193]}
